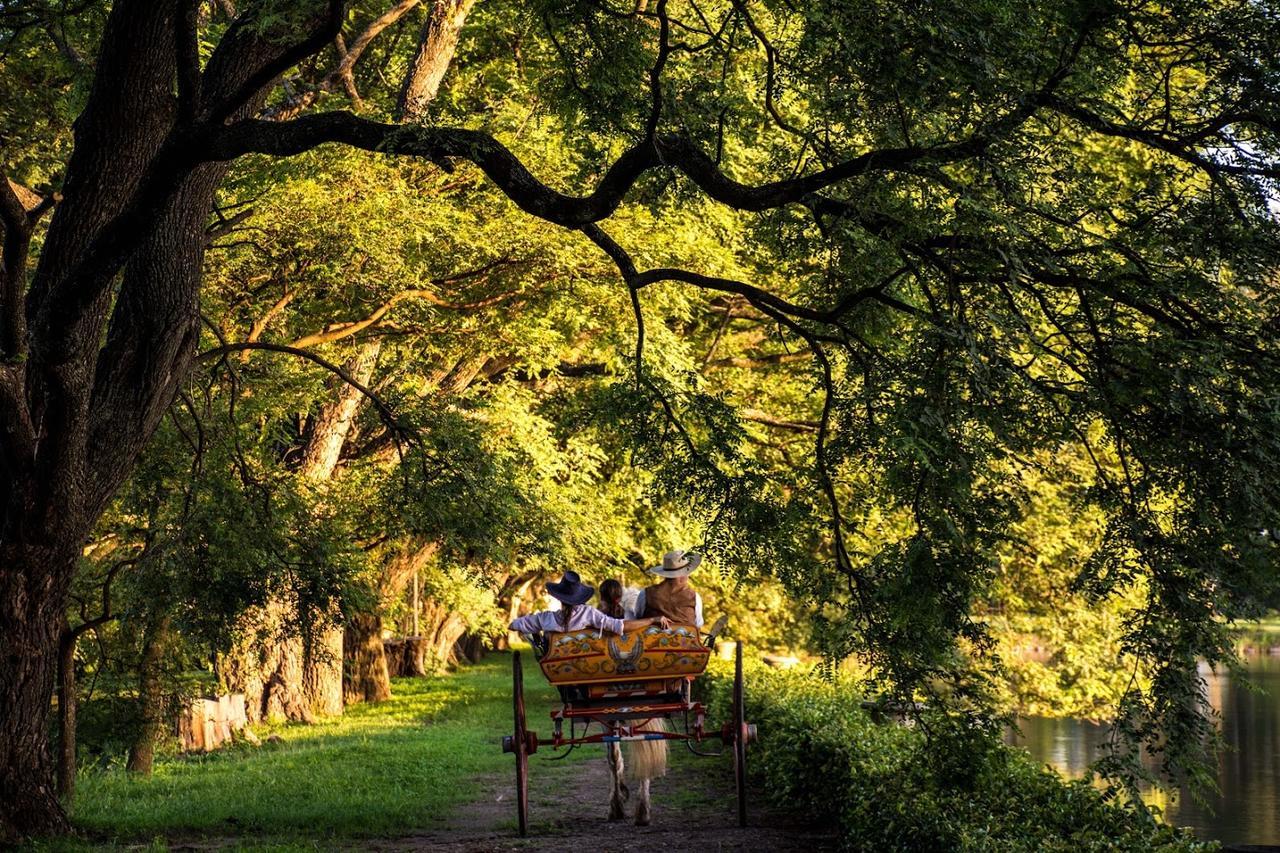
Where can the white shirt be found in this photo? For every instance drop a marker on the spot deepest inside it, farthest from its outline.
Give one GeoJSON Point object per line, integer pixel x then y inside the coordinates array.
{"type": "Point", "coordinates": [584, 616]}
{"type": "Point", "coordinates": [697, 608]}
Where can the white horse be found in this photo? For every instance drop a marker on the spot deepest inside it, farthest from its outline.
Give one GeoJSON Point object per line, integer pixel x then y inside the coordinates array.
{"type": "Point", "coordinates": [648, 759]}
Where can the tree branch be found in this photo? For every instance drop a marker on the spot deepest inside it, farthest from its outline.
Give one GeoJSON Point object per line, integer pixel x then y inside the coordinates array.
{"type": "Point", "coordinates": [752, 362]}
{"type": "Point", "coordinates": [339, 331]}
{"type": "Point", "coordinates": [341, 75]}
{"type": "Point", "coordinates": [384, 411]}
{"type": "Point", "coordinates": [759, 417]}
{"type": "Point", "coordinates": [534, 197]}
{"type": "Point", "coordinates": [1175, 146]}
{"type": "Point", "coordinates": [655, 72]}
{"type": "Point", "coordinates": [322, 32]}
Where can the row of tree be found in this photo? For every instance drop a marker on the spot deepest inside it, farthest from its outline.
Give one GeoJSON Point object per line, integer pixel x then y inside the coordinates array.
{"type": "Point", "coordinates": [303, 301]}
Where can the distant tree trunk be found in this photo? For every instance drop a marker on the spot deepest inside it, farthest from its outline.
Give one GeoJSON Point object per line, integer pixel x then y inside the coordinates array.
{"type": "Point", "coordinates": [441, 629]}
{"type": "Point", "coordinates": [365, 675]}
{"type": "Point", "coordinates": [509, 599]}
{"type": "Point", "coordinates": [470, 647]}
{"type": "Point", "coordinates": [444, 644]}
{"type": "Point", "coordinates": [281, 673]}
{"type": "Point", "coordinates": [435, 53]}
{"type": "Point", "coordinates": [415, 652]}
{"type": "Point", "coordinates": [329, 432]}
{"type": "Point", "coordinates": [150, 698]}
{"type": "Point", "coordinates": [67, 701]}
{"type": "Point", "coordinates": [322, 674]}
{"type": "Point", "coordinates": [329, 429]}
{"type": "Point", "coordinates": [266, 665]}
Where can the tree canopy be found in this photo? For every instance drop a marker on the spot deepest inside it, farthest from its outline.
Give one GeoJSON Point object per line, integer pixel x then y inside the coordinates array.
{"type": "Point", "coordinates": [853, 296]}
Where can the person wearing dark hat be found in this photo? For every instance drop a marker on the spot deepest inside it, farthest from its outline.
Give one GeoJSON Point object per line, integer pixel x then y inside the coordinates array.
{"type": "Point", "coordinates": [573, 594]}
{"type": "Point", "coordinates": [673, 597]}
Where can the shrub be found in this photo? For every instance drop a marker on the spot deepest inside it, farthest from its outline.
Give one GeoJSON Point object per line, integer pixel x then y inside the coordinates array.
{"type": "Point", "coordinates": [887, 787]}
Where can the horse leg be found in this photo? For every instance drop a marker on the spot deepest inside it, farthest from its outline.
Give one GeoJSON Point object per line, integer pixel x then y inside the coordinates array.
{"type": "Point", "coordinates": [642, 807]}
{"type": "Point", "coordinates": [617, 788]}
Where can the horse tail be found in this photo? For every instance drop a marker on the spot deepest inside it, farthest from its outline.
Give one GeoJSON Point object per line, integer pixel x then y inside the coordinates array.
{"type": "Point", "coordinates": [647, 759]}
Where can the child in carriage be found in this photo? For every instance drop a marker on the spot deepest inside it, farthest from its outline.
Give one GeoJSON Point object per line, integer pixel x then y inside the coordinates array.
{"type": "Point", "coordinates": [611, 603]}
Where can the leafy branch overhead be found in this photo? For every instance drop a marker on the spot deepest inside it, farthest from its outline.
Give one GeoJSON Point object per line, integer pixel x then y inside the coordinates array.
{"type": "Point", "coordinates": [950, 239]}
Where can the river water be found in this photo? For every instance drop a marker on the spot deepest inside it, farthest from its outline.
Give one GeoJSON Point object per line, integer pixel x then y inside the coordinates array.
{"type": "Point", "coordinates": [1247, 808]}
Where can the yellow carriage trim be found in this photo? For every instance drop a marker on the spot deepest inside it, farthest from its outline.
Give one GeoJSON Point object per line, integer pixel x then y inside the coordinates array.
{"type": "Point", "coordinates": [584, 657]}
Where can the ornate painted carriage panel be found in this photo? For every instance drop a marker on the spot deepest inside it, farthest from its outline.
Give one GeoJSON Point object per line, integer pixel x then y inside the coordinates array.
{"type": "Point", "coordinates": [584, 657]}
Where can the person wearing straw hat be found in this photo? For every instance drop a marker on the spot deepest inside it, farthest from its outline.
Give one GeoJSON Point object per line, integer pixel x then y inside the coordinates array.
{"type": "Point", "coordinates": [673, 597]}
{"type": "Point", "coordinates": [573, 594]}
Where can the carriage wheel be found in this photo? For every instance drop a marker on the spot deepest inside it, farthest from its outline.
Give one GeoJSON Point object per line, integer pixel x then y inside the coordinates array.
{"type": "Point", "coordinates": [521, 745]}
{"type": "Point", "coordinates": [739, 737]}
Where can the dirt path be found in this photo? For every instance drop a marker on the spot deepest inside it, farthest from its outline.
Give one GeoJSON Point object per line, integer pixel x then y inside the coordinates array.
{"type": "Point", "coordinates": [693, 809]}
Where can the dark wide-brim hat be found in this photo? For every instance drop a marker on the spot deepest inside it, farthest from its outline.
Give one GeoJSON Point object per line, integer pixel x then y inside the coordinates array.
{"type": "Point", "coordinates": [570, 589]}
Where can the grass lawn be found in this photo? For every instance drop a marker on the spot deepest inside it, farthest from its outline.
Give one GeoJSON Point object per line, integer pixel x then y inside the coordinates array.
{"type": "Point", "coordinates": [1269, 625]}
{"type": "Point", "coordinates": [1259, 636]}
{"type": "Point", "coordinates": [394, 768]}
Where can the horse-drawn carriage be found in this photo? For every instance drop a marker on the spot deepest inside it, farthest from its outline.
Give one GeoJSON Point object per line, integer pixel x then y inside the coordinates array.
{"type": "Point", "coordinates": [618, 685]}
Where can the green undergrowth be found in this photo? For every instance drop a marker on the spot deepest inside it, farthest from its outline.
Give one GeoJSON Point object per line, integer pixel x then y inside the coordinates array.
{"type": "Point", "coordinates": [395, 768]}
{"type": "Point", "coordinates": [887, 787]}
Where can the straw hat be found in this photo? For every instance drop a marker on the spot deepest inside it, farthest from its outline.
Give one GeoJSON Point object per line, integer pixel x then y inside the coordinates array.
{"type": "Point", "coordinates": [677, 564]}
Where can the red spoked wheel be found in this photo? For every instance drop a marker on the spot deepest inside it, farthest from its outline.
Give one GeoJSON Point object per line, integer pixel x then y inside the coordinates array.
{"type": "Point", "coordinates": [740, 736]}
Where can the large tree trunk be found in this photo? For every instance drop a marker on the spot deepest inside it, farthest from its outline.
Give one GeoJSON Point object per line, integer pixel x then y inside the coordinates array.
{"type": "Point", "coordinates": [267, 666]}
{"type": "Point", "coordinates": [329, 432]}
{"type": "Point", "coordinates": [366, 678]}
{"type": "Point", "coordinates": [32, 589]}
{"type": "Point", "coordinates": [282, 673]}
{"type": "Point", "coordinates": [150, 698]}
{"type": "Point", "coordinates": [92, 359]}
{"type": "Point", "coordinates": [322, 671]}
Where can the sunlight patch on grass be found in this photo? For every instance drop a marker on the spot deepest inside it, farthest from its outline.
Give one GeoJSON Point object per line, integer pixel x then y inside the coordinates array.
{"type": "Point", "coordinates": [388, 769]}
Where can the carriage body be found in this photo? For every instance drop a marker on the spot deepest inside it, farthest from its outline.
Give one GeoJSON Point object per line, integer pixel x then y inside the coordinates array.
{"type": "Point", "coordinates": [613, 686]}
{"type": "Point", "coordinates": [622, 682]}
{"type": "Point", "coordinates": [578, 658]}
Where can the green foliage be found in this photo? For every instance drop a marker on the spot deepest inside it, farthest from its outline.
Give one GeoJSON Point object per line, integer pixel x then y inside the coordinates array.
{"type": "Point", "coordinates": [1046, 407]}
{"type": "Point", "coordinates": [1059, 646]}
{"type": "Point", "coordinates": [944, 787]}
